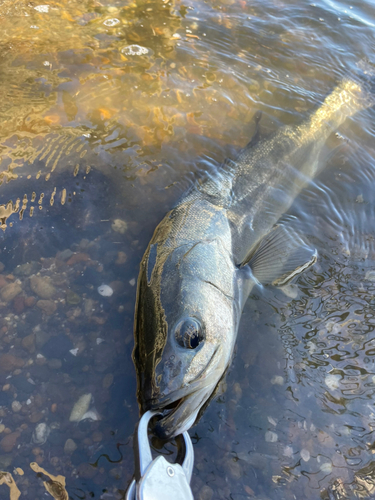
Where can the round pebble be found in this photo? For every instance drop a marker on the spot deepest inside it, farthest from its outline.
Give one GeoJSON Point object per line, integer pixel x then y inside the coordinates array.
{"type": "Point", "coordinates": [326, 467]}
{"type": "Point", "coordinates": [305, 455]}
{"type": "Point", "coordinates": [134, 50]}
{"type": "Point", "coordinates": [111, 22]}
{"type": "Point", "coordinates": [16, 406]}
{"type": "Point", "coordinates": [105, 290]}
{"type": "Point", "coordinates": [271, 437]}
{"type": "Point", "coordinates": [41, 433]}
{"type": "Point", "coordinates": [70, 446]}
{"type": "Point", "coordinates": [119, 225]}
{"type": "Point", "coordinates": [277, 380]}
{"type": "Point", "coordinates": [333, 381]}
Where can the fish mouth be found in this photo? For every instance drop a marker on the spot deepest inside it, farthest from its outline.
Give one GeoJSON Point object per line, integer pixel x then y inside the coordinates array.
{"type": "Point", "coordinates": [179, 414]}
{"type": "Point", "coordinates": [179, 409]}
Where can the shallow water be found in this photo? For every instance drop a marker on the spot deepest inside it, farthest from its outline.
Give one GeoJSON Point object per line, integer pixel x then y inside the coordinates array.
{"type": "Point", "coordinates": [108, 112]}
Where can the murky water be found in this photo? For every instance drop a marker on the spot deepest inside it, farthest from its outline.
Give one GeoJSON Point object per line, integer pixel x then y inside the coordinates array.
{"type": "Point", "coordinates": [108, 112]}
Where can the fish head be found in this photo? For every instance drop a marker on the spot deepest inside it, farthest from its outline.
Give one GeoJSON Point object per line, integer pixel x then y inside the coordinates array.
{"type": "Point", "coordinates": [185, 327]}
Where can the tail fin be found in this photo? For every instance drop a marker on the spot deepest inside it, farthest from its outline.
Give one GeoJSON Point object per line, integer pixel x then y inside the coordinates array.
{"type": "Point", "coordinates": [367, 73]}
{"type": "Point", "coordinates": [365, 76]}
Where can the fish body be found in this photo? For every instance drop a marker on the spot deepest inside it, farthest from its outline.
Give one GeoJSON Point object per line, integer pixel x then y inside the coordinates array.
{"type": "Point", "coordinates": [211, 249]}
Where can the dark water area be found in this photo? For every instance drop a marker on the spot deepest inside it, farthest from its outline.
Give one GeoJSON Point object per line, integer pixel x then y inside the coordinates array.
{"type": "Point", "coordinates": [109, 111]}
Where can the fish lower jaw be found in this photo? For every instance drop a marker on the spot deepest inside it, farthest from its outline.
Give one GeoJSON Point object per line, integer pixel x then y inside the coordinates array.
{"type": "Point", "coordinates": [168, 427]}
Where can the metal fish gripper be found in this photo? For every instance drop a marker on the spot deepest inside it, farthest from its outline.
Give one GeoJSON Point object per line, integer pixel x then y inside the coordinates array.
{"type": "Point", "coordinates": [157, 478]}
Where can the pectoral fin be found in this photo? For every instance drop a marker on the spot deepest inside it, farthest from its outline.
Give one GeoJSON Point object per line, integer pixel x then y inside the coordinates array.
{"type": "Point", "coordinates": [280, 256]}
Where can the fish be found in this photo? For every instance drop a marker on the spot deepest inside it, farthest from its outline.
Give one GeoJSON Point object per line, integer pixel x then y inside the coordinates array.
{"type": "Point", "coordinates": [223, 238]}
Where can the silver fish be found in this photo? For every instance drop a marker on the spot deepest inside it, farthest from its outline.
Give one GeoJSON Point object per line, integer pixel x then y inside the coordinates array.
{"type": "Point", "coordinates": [212, 248]}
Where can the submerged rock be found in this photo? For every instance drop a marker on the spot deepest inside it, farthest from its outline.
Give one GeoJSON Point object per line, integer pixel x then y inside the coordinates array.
{"type": "Point", "coordinates": [47, 306]}
{"type": "Point", "coordinates": [72, 298]}
{"type": "Point", "coordinates": [105, 290]}
{"type": "Point", "coordinates": [41, 433]}
{"type": "Point", "coordinates": [10, 291]}
{"type": "Point", "coordinates": [70, 446]}
{"type": "Point", "coordinates": [42, 287]}
{"type": "Point", "coordinates": [9, 441]}
{"type": "Point", "coordinates": [8, 363]}
{"type": "Point", "coordinates": [80, 408]}
{"type": "Point", "coordinates": [119, 226]}
{"type": "Point", "coordinates": [27, 269]}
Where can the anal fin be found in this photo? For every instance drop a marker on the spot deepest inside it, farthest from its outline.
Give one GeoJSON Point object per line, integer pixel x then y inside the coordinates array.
{"type": "Point", "coordinates": [279, 257]}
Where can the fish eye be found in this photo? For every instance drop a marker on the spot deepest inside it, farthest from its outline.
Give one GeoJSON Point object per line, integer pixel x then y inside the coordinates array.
{"type": "Point", "coordinates": [188, 333]}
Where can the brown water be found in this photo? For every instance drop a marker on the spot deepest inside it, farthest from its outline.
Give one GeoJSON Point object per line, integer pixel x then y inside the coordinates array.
{"type": "Point", "coordinates": [108, 112]}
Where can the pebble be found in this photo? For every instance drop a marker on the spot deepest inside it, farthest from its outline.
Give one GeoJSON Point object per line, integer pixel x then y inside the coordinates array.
{"type": "Point", "coordinates": [116, 472]}
{"type": "Point", "coordinates": [64, 255]}
{"type": "Point", "coordinates": [134, 50]}
{"type": "Point", "coordinates": [16, 406]}
{"type": "Point", "coordinates": [28, 342]}
{"type": "Point", "coordinates": [8, 442]}
{"type": "Point", "coordinates": [333, 381]}
{"type": "Point", "coordinates": [78, 257]}
{"type": "Point", "coordinates": [5, 461]}
{"type": "Point", "coordinates": [206, 493]}
{"type": "Point", "coordinates": [80, 408]}
{"type": "Point", "coordinates": [36, 416]}
{"type": "Point", "coordinates": [69, 447]}
{"type": "Point", "coordinates": [97, 437]}
{"type": "Point", "coordinates": [288, 451]}
{"type": "Point", "coordinates": [27, 269]}
{"type": "Point", "coordinates": [22, 384]}
{"type": "Point", "coordinates": [107, 381]}
{"type": "Point", "coordinates": [305, 455]}
{"type": "Point", "coordinates": [8, 363]}
{"type": "Point", "coordinates": [47, 306]}
{"type": "Point", "coordinates": [277, 380]}
{"type": "Point", "coordinates": [41, 433]}
{"type": "Point", "coordinates": [105, 290]}
{"type": "Point", "coordinates": [10, 291]}
{"type": "Point", "coordinates": [18, 304]}
{"type": "Point", "coordinates": [30, 301]}
{"type": "Point", "coordinates": [272, 421]}
{"type": "Point", "coordinates": [42, 287]}
{"type": "Point", "coordinates": [326, 467]}
{"type": "Point", "coordinates": [91, 415]}
{"type": "Point", "coordinates": [72, 298]}
{"type": "Point", "coordinates": [86, 470]}
{"type": "Point", "coordinates": [290, 291]}
{"type": "Point", "coordinates": [234, 468]}
{"type": "Point", "coordinates": [89, 307]}
{"type": "Point", "coordinates": [359, 198]}
{"type": "Point", "coordinates": [111, 22]}
{"type": "Point", "coordinates": [370, 275]}
{"type": "Point", "coordinates": [2, 427]}
{"type": "Point", "coordinates": [121, 258]}
{"type": "Point", "coordinates": [55, 364]}
{"type": "Point", "coordinates": [271, 437]}
{"type": "Point", "coordinates": [119, 225]}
